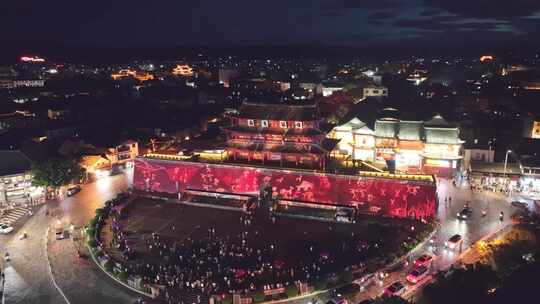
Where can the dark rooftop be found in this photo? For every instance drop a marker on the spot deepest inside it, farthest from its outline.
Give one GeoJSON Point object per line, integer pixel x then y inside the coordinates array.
{"type": "Point", "coordinates": [13, 162]}
{"type": "Point", "coordinates": [531, 162]}
{"type": "Point", "coordinates": [438, 122]}
{"type": "Point", "coordinates": [279, 111]}
{"type": "Point", "coordinates": [495, 168]}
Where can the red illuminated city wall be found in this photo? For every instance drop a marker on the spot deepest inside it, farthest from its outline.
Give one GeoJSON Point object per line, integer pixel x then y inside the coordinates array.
{"type": "Point", "coordinates": [388, 197]}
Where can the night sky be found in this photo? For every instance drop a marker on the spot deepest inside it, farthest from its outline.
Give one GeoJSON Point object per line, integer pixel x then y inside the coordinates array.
{"type": "Point", "coordinates": [124, 23]}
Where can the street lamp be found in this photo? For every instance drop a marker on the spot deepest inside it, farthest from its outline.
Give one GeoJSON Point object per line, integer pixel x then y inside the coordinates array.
{"type": "Point", "coordinates": [505, 162]}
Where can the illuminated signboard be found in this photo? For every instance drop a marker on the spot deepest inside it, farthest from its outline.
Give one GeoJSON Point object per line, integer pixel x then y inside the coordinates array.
{"type": "Point", "coordinates": [32, 59]}
{"type": "Point", "coordinates": [438, 163]}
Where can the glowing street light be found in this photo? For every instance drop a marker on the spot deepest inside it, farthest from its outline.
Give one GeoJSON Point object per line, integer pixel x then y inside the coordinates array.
{"type": "Point", "coordinates": [505, 162]}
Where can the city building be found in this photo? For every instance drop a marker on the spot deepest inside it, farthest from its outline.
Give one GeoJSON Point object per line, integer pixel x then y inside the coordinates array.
{"type": "Point", "coordinates": [498, 177]}
{"type": "Point", "coordinates": [27, 83]}
{"type": "Point", "coordinates": [417, 77]}
{"type": "Point", "coordinates": [375, 91]}
{"type": "Point", "coordinates": [99, 162]}
{"type": "Point", "coordinates": [412, 146]}
{"type": "Point", "coordinates": [15, 178]}
{"type": "Point", "coordinates": [328, 88]}
{"type": "Point", "coordinates": [284, 134]}
{"type": "Point", "coordinates": [356, 140]}
{"type": "Point", "coordinates": [442, 148]}
{"type": "Point", "coordinates": [530, 180]}
{"type": "Point", "coordinates": [141, 76]}
{"type": "Point", "coordinates": [477, 152]}
{"type": "Point", "coordinates": [182, 70]}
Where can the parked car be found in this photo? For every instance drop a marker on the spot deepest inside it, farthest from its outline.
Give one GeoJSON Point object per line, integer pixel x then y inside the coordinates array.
{"type": "Point", "coordinates": [59, 233]}
{"type": "Point", "coordinates": [520, 205]}
{"type": "Point", "coordinates": [417, 274]}
{"type": "Point", "coordinates": [396, 289]}
{"type": "Point", "coordinates": [423, 260]}
{"type": "Point", "coordinates": [454, 242]}
{"type": "Point", "coordinates": [338, 300]}
{"type": "Point", "coordinates": [464, 214]}
{"type": "Point", "coordinates": [5, 229]}
{"type": "Point", "coordinates": [73, 190]}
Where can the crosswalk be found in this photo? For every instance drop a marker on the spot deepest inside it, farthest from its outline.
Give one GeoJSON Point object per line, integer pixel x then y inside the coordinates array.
{"type": "Point", "coordinates": [11, 215]}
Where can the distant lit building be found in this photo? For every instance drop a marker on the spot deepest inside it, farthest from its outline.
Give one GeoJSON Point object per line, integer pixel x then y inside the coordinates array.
{"type": "Point", "coordinates": [141, 76]}
{"type": "Point", "coordinates": [183, 70]}
{"type": "Point", "coordinates": [375, 91]}
{"type": "Point", "coordinates": [432, 146]}
{"type": "Point", "coordinates": [417, 77]}
{"type": "Point", "coordinates": [477, 152]}
{"type": "Point", "coordinates": [328, 88]}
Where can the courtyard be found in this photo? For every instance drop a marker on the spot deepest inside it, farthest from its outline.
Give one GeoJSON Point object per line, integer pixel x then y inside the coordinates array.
{"type": "Point", "coordinates": [207, 251]}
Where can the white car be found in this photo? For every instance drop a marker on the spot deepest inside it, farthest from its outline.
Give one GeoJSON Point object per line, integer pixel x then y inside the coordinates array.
{"type": "Point", "coordinates": [5, 229]}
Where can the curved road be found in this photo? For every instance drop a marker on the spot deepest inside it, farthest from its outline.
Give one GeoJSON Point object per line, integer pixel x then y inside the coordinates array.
{"type": "Point", "coordinates": [27, 275]}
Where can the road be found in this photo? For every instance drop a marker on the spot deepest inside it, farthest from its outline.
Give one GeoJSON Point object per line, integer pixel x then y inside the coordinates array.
{"type": "Point", "coordinates": [28, 279]}
{"type": "Point", "coordinates": [27, 275]}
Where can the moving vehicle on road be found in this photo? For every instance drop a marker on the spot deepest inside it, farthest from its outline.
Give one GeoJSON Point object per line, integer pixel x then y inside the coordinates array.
{"type": "Point", "coordinates": [5, 229]}
{"type": "Point", "coordinates": [396, 289]}
{"type": "Point", "coordinates": [73, 190]}
{"type": "Point", "coordinates": [366, 280]}
{"type": "Point", "coordinates": [423, 260]}
{"type": "Point", "coordinates": [417, 274]}
{"type": "Point", "coordinates": [464, 214]}
{"type": "Point", "coordinates": [454, 242]}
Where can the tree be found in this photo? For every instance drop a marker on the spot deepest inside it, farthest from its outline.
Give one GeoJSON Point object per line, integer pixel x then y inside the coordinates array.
{"type": "Point", "coordinates": [55, 173]}
{"type": "Point", "coordinates": [472, 283]}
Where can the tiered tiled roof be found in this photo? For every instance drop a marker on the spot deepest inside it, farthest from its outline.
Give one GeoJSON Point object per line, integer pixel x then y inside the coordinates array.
{"type": "Point", "coordinates": [279, 111]}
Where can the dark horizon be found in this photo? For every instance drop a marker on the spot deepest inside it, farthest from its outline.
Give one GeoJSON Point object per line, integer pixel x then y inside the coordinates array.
{"type": "Point", "coordinates": [58, 52]}
{"type": "Point", "coordinates": [419, 25]}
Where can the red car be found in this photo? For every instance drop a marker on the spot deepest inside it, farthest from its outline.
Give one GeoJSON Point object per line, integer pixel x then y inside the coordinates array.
{"type": "Point", "coordinates": [423, 260]}
{"type": "Point", "coordinates": [418, 274]}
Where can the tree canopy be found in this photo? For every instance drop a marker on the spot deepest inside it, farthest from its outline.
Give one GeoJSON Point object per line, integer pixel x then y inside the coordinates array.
{"type": "Point", "coordinates": [56, 172]}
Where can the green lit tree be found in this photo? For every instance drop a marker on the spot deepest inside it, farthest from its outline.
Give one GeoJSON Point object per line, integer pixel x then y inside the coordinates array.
{"type": "Point", "coordinates": [55, 173]}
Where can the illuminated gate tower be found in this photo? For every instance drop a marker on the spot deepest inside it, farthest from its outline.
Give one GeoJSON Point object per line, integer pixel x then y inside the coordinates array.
{"type": "Point", "coordinates": [278, 134]}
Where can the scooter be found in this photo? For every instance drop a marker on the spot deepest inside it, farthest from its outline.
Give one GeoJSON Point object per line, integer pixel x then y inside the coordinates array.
{"type": "Point", "coordinates": [501, 216]}
{"type": "Point", "coordinates": [6, 257]}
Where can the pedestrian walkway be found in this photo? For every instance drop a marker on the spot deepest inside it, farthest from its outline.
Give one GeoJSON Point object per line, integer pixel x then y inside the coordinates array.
{"type": "Point", "coordinates": [12, 215]}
